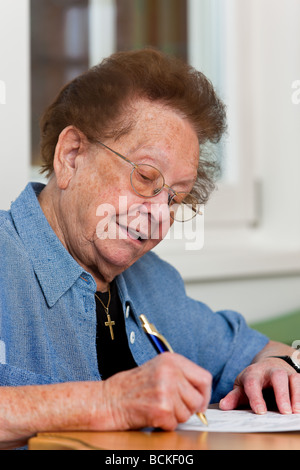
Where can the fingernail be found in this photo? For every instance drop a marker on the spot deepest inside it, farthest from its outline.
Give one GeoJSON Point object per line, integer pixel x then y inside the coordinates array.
{"type": "Point", "coordinates": [286, 409]}
{"type": "Point", "coordinates": [261, 410]}
{"type": "Point", "coordinates": [222, 403]}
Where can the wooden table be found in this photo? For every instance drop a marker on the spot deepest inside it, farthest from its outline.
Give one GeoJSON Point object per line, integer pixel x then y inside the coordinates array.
{"type": "Point", "coordinates": [159, 440]}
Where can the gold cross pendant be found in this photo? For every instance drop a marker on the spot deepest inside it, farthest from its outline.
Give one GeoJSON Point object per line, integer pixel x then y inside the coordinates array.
{"type": "Point", "coordinates": [110, 324]}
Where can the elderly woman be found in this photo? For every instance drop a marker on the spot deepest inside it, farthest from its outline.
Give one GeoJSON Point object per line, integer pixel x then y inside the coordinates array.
{"type": "Point", "coordinates": [127, 134]}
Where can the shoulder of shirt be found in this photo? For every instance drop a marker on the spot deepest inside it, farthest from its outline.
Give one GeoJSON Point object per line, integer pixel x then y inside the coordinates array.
{"type": "Point", "coordinates": [6, 222]}
{"type": "Point", "coordinates": [8, 232]}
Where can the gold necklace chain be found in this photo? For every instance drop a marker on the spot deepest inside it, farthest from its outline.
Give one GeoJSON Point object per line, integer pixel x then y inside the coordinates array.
{"type": "Point", "coordinates": [108, 323]}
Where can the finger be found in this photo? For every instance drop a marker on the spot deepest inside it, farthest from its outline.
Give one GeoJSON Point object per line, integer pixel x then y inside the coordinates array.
{"type": "Point", "coordinates": [183, 410]}
{"type": "Point", "coordinates": [185, 386]}
{"type": "Point", "coordinates": [253, 390]}
{"type": "Point", "coordinates": [191, 397]}
{"type": "Point", "coordinates": [204, 389]}
{"type": "Point", "coordinates": [233, 399]}
{"type": "Point", "coordinates": [197, 377]}
{"type": "Point", "coordinates": [280, 383]}
{"type": "Point", "coordinates": [295, 392]}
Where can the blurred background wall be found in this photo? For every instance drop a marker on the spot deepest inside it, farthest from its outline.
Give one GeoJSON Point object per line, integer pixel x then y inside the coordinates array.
{"type": "Point", "coordinates": [250, 50]}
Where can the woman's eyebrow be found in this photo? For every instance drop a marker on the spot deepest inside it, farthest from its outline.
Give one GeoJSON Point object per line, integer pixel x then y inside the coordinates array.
{"type": "Point", "coordinates": [162, 165]}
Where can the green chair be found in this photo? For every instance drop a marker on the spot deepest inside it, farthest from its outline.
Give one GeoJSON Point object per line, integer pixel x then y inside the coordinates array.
{"type": "Point", "coordinates": [285, 328]}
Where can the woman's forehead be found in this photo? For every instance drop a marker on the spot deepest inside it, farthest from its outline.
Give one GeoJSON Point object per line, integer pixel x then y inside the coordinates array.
{"type": "Point", "coordinates": [163, 130]}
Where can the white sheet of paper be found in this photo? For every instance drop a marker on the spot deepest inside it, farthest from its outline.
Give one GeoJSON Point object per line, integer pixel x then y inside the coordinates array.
{"type": "Point", "coordinates": [243, 421]}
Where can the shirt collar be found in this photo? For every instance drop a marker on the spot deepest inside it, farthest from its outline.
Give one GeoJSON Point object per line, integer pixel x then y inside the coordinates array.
{"type": "Point", "coordinates": [55, 268]}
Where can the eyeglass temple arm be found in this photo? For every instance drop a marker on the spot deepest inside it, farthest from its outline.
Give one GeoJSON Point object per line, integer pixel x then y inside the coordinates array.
{"type": "Point", "coordinates": [118, 154]}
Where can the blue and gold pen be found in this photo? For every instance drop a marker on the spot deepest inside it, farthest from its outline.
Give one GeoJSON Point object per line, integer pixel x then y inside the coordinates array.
{"type": "Point", "coordinates": [161, 345]}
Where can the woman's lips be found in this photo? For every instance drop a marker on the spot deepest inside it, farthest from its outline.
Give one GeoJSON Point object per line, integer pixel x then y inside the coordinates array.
{"type": "Point", "coordinates": [133, 234]}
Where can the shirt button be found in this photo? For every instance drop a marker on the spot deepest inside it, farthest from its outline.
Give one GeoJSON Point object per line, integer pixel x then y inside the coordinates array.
{"type": "Point", "coordinates": [132, 337]}
{"type": "Point", "coordinates": [127, 311]}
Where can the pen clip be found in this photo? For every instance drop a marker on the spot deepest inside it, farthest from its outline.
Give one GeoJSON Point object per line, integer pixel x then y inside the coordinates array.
{"type": "Point", "coordinates": [150, 329]}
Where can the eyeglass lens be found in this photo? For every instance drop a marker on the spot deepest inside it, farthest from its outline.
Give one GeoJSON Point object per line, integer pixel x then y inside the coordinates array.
{"type": "Point", "coordinates": [184, 207]}
{"type": "Point", "coordinates": [147, 181]}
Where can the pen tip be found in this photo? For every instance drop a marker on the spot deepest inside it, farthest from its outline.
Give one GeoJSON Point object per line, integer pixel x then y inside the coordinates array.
{"type": "Point", "coordinates": [202, 417]}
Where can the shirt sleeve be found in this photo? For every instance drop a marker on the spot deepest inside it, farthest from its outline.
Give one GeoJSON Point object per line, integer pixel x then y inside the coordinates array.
{"type": "Point", "coordinates": [11, 376]}
{"type": "Point", "coordinates": [220, 342]}
{"type": "Point", "coordinates": [226, 345]}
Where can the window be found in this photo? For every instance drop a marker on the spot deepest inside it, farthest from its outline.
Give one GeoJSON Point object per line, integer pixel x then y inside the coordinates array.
{"type": "Point", "coordinates": [216, 39]}
{"type": "Point", "coordinates": [59, 52]}
{"type": "Point", "coordinates": [256, 60]}
{"type": "Point", "coordinates": [159, 23]}
{"type": "Point", "coordinates": [85, 32]}
{"type": "Point", "coordinates": [200, 31]}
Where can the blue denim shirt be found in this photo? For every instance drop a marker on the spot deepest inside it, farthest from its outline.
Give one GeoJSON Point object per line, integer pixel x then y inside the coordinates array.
{"type": "Point", "coordinates": [48, 320]}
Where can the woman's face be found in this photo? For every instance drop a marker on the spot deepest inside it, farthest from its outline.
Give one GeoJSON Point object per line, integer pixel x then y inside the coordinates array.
{"type": "Point", "coordinates": [106, 225]}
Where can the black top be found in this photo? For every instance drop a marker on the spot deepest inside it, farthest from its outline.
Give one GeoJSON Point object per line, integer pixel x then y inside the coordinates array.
{"type": "Point", "coordinates": [113, 355]}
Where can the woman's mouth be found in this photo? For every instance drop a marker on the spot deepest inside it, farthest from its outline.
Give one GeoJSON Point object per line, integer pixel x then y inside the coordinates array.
{"type": "Point", "coordinates": [131, 233]}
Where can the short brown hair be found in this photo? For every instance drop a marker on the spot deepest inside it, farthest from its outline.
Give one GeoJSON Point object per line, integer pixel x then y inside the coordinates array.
{"type": "Point", "coordinates": [96, 103]}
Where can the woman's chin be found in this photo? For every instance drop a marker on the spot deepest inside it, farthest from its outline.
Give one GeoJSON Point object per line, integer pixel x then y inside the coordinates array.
{"type": "Point", "coordinates": [121, 253]}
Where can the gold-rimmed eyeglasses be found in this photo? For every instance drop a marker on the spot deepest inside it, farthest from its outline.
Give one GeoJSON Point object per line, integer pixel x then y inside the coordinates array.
{"type": "Point", "coordinates": [147, 181]}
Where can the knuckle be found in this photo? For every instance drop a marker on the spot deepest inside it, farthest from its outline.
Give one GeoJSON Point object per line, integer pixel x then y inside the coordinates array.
{"type": "Point", "coordinates": [278, 374]}
{"type": "Point", "coordinates": [252, 368]}
{"type": "Point", "coordinates": [162, 398]}
{"type": "Point", "coordinates": [281, 379]}
{"type": "Point", "coordinates": [165, 361]}
{"type": "Point", "coordinates": [250, 381]}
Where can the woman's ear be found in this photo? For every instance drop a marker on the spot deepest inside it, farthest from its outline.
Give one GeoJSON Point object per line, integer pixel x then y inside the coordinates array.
{"type": "Point", "coordinates": [70, 145]}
